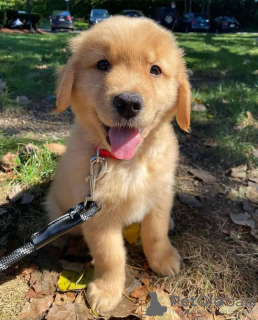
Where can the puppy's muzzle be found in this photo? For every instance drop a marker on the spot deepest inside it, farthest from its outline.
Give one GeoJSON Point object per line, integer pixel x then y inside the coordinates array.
{"type": "Point", "coordinates": [128, 104]}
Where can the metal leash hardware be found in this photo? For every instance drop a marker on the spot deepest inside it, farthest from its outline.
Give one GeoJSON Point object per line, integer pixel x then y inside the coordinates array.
{"type": "Point", "coordinates": [93, 177]}
{"type": "Point", "coordinates": [72, 218]}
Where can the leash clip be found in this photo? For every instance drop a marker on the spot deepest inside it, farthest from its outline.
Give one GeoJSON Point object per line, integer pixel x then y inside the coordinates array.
{"type": "Point", "coordinates": [100, 165]}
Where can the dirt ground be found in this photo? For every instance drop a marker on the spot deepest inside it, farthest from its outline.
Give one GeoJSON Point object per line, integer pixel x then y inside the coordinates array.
{"type": "Point", "coordinates": [220, 257]}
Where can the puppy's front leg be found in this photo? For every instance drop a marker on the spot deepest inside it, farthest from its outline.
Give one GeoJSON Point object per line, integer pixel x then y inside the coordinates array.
{"type": "Point", "coordinates": [107, 249]}
{"type": "Point", "coordinates": [163, 258]}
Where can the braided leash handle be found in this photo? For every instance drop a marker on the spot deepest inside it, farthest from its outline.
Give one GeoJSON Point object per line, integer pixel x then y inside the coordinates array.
{"type": "Point", "coordinates": [16, 255]}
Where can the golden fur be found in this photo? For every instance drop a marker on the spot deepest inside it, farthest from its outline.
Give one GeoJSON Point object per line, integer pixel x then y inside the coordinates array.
{"type": "Point", "coordinates": [137, 190]}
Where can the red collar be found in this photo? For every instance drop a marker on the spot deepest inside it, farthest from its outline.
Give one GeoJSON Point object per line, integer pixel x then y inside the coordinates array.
{"type": "Point", "coordinates": [107, 154]}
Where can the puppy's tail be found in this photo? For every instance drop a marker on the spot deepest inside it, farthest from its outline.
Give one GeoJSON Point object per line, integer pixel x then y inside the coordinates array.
{"type": "Point", "coordinates": [56, 148]}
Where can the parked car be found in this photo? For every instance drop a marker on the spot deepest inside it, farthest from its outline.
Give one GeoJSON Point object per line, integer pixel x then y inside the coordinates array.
{"type": "Point", "coordinates": [132, 13]}
{"type": "Point", "coordinates": [61, 20]}
{"type": "Point", "coordinates": [164, 16]}
{"type": "Point", "coordinates": [225, 24]}
{"type": "Point", "coordinates": [193, 22]}
{"type": "Point", "coordinates": [98, 15]}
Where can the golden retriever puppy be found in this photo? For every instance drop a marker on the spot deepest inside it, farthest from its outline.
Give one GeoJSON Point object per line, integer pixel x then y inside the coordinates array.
{"type": "Point", "coordinates": [125, 80]}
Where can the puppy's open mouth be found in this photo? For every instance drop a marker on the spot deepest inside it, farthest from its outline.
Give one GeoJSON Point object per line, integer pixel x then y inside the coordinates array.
{"type": "Point", "coordinates": [123, 141]}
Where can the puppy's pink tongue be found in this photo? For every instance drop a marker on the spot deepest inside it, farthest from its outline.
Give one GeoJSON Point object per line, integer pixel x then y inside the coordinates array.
{"type": "Point", "coordinates": [124, 142]}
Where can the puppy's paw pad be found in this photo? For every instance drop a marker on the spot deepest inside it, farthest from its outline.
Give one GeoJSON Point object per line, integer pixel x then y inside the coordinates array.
{"type": "Point", "coordinates": [166, 262]}
{"type": "Point", "coordinates": [102, 296]}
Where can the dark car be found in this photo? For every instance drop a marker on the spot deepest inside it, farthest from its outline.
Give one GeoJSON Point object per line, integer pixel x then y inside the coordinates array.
{"type": "Point", "coordinates": [98, 15]}
{"type": "Point", "coordinates": [164, 16]}
{"type": "Point", "coordinates": [225, 24]}
{"type": "Point", "coordinates": [132, 13]}
{"type": "Point", "coordinates": [193, 22]}
{"type": "Point", "coordinates": [61, 20]}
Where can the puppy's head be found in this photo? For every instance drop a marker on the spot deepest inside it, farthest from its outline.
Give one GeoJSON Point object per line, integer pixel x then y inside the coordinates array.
{"type": "Point", "coordinates": [125, 77]}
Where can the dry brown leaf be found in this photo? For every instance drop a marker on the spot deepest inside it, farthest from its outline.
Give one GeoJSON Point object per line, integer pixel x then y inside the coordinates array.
{"type": "Point", "coordinates": [255, 312]}
{"type": "Point", "coordinates": [124, 309]}
{"type": "Point", "coordinates": [62, 298]}
{"type": "Point", "coordinates": [204, 175]}
{"type": "Point", "coordinates": [30, 149]}
{"type": "Point", "coordinates": [243, 219]}
{"type": "Point", "coordinates": [190, 200]}
{"type": "Point", "coordinates": [141, 293]}
{"type": "Point", "coordinates": [239, 172]}
{"type": "Point", "coordinates": [56, 148]}
{"type": "Point", "coordinates": [146, 281]}
{"type": "Point", "coordinates": [35, 308]}
{"type": "Point", "coordinates": [16, 193]}
{"type": "Point", "coordinates": [252, 194]}
{"type": "Point", "coordinates": [44, 282]}
{"type": "Point", "coordinates": [32, 294]}
{"type": "Point", "coordinates": [69, 311]}
{"type": "Point", "coordinates": [27, 198]}
{"type": "Point", "coordinates": [8, 161]}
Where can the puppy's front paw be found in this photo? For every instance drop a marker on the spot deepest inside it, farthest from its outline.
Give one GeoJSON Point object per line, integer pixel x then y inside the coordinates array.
{"type": "Point", "coordinates": [103, 295]}
{"type": "Point", "coordinates": [165, 260]}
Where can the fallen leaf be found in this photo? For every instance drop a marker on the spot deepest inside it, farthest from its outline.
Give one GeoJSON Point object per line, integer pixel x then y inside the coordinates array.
{"type": "Point", "coordinates": [68, 280]}
{"type": "Point", "coordinates": [30, 149]}
{"type": "Point", "coordinates": [146, 281]}
{"type": "Point", "coordinates": [198, 107]}
{"type": "Point", "coordinates": [61, 298]}
{"type": "Point", "coordinates": [131, 233]}
{"type": "Point", "coordinates": [247, 206]}
{"type": "Point", "coordinates": [22, 100]}
{"type": "Point", "coordinates": [16, 193]}
{"type": "Point", "coordinates": [8, 161]}
{"type": "Point", "coordinates": [32, 294]}
{"type": "Point", "coordinates": [27, 198]}
{"type": "Point", "coordinates": [124, 309]}
{"type": "Point", "coordinates": [191, 201]}
{"type": "Point", "coordinates": [69, 311]}
{"type": "Point", "coordinates": [252, 194]}
{"type": "Point", "coordinates": [141, 293]}
{"type": "Point", "coordinates": [255, 153]}
{"type": "Point", "coordinates": [255, 312]}
{"type": "Point", "coordinates": [239, 172]}
{"type": "Point", "coordinates": [56, 148]}
{"type": "Point", "coordinates": [228, 309]}
{"type": "Point", "coordinates": [243, 219]}
{"type": "Point", "coordinates": [237, 195]}
{"type": "Point", "coordinates": [35, 308]}
{"type": "Point", "coordinates": [254, 185]}
{"type": "Point", "coordinates": [44, 282]}
{"type": "Point", "coordinates": [203, 175]}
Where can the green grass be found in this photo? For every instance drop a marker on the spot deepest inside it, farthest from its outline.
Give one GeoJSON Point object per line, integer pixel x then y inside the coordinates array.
{"type": "Point", "coordinates": [224, 80]}
{"type": "Point", "coordinates": [35, 168]}
{"type": "Point", "coordinates": [29, 62]}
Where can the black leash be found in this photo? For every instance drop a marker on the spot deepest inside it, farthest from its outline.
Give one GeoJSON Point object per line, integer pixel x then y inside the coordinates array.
{"type": "Point", "coordinates": [72, 218]}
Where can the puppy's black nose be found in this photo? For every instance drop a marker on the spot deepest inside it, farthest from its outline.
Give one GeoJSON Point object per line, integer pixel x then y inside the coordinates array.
{"type": "Point", "coordinates": [128, 104]}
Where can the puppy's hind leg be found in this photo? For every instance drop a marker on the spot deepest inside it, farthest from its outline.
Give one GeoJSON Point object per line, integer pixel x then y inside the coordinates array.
{"type": "Point", "coordinates": [163, 258]}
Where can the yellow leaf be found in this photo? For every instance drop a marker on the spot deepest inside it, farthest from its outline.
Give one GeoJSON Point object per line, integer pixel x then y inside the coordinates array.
{"type": "Point", "coordinates": [131, 233]}
{"type": "Point", "coordinates": [68, 280]}
{"type": "Point", "coordinates": [197, 100]}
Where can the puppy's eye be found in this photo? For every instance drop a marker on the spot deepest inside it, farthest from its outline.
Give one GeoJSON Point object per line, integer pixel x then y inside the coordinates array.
{"type": "Point", "coordinates": [103, 65]}
{"type": "Point", "coordinates": [155, 70]}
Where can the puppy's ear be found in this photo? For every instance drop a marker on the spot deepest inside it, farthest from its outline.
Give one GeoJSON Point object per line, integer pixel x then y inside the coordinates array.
{"type": "Point", "coordinates": [64, 86]}
{"type": "Point", "coordinates": [183, 104]}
